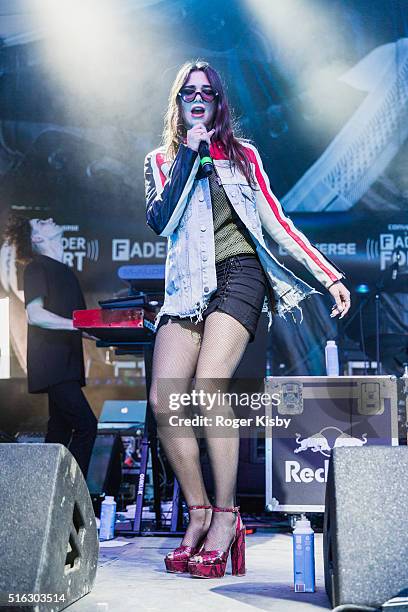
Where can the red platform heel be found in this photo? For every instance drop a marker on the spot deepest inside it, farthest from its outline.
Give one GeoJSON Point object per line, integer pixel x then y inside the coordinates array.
{"type": "Point", "coordinates": [213, 563]}
{"type": "Point", "coordinates": [177, 560]}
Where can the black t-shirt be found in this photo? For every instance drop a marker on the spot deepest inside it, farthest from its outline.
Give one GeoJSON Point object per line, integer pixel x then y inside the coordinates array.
{"type": "Point", "coordinates": [53, 356]}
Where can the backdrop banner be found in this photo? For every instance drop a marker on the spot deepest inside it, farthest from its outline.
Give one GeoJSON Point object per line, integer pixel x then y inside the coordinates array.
{"type": "Point", "coordinates": [321, 86]}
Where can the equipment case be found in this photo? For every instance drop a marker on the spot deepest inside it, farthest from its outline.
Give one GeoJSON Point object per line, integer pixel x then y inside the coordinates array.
{"type": "Point", "coordinates": [324, 412]}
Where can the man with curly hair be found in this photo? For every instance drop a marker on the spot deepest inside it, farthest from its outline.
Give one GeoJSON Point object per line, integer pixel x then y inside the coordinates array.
{"type": "Point", "coordinates": [55, 362]}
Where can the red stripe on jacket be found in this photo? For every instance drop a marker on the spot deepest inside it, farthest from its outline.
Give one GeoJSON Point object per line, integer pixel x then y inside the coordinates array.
{"type": "Point", "coordinates": [160, 159]}
{"type": "Point", "coordinates": [269, 197]}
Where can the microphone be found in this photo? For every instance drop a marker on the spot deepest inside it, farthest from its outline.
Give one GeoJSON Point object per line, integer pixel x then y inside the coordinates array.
{"type": "Point", "coordinates": [206, 161]}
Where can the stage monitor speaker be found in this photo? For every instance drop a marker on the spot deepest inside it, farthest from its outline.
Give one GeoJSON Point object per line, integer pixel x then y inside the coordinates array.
{"type": "Point", "coordinates": [365, 540]}
{"type": "Point", "coordinates": [48, 536]}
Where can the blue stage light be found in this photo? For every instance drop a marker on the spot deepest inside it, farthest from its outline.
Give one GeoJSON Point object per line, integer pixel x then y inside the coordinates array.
{"type": "Point", "coordinates": [362, 288]}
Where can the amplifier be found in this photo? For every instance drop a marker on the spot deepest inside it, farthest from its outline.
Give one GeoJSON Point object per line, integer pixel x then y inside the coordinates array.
{"type": "Point", "coordinates": [321, 413]}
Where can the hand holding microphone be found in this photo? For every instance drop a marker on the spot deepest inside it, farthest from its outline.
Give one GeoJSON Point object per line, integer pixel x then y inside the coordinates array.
{"type": "Point", "coordinates": [199, 140]}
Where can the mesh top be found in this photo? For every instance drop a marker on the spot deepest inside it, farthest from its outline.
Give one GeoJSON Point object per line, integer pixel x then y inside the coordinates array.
{"type": "Point", "coordinates": [230, 234]}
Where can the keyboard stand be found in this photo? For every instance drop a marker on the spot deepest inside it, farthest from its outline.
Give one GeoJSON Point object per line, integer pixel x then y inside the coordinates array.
{"type": "Point", "coordinates": [149, 440]}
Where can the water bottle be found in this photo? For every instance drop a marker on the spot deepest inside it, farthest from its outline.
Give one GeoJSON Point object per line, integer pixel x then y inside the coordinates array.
{"type": "Point", "coordinates": [303, 556]}
{"type": "Point", "coordinates": [108, 516]}
{"type": "Point", "coordinates": [332, 358]}
{"type": "Point", "coordinates": [404, 379]}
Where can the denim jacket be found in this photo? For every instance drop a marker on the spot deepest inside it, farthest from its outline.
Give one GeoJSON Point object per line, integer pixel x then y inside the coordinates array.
{"type": "Point", "coordinates": [179, 207]}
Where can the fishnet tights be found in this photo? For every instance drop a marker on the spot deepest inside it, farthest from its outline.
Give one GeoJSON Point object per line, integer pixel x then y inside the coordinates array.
{"type": "Point", "coordinates": [210, 351]}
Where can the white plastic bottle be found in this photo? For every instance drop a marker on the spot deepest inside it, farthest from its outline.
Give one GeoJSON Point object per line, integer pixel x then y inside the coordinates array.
{"type": "Point", "coordinates": [404, 378]}
{"type": "Point", "coordinates": [332, 358]}
{"type": "Point", "coordinates": [108, 516]}
{"type": "Point", "coordinates": [303, 556]}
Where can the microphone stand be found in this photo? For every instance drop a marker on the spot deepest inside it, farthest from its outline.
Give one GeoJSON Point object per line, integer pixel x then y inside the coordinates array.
{"type": "Point", "coordinates": [377, 332]}
{"type": "Point", "coordinates": [378, 287]}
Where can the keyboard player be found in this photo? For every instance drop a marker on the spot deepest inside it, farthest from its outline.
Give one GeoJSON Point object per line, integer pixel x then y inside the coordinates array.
{"type": "Point", "coordinates": [55, 362]}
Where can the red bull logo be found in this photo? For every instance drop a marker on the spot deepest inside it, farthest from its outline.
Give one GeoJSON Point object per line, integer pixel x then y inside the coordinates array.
{"type": "Point", "coordinates": [321, 442]}
{"type": "Point", "coordinates": [325, 440]}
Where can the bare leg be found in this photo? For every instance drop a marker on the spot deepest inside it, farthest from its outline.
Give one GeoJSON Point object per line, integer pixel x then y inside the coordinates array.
{"type": "Point", "coordinates": [223, 344]}
{"type": "Point", "coordinates": [175, 356]}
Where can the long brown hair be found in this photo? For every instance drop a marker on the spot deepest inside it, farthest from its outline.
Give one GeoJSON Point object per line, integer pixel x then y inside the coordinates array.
{"type": "Point", "coordinates": [175, 131]}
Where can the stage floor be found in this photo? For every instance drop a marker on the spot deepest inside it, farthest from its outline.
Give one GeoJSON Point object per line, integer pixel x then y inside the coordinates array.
{"type": "Point", "coordinates": [132, 577]}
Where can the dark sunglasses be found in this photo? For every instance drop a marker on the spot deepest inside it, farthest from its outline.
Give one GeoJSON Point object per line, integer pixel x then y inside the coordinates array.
{"type": "Point", "coordinates": [189, 94]}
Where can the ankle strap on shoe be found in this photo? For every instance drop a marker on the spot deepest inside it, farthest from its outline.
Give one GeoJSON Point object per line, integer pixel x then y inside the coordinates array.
{"type": "Point", "coordinates": [199, 507]}
{"type": "Point", "coordinates": [217, 509]}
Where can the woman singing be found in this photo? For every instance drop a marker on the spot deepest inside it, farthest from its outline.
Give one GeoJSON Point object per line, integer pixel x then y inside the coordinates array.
{"type": "Point", "coordinates": [218, 272]}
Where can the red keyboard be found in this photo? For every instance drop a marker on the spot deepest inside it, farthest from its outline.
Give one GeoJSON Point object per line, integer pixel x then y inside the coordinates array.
{"type": "Point", "coordinates": [117, 325]}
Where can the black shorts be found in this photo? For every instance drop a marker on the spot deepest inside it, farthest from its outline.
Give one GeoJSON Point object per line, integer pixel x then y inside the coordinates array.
{"type": "Point", "coordinates": [241, 288]}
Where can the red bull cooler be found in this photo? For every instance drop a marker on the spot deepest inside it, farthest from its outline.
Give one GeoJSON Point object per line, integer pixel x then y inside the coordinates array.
{"type": "Point", "coordinates": [321, 413]}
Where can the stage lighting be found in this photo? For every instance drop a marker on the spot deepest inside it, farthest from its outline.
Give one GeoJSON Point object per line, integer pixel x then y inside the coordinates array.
{"type": "Point", "coordinates": [81, 40]}
{"type": "Point", "coordinates": [362, 288]}
{"type": "Point", "coordinates": [303, 46]}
